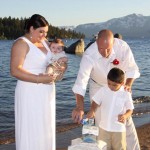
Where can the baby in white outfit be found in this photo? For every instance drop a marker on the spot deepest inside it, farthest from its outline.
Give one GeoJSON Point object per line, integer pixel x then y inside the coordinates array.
{"type": "Point", "coordinates": [58, 59]}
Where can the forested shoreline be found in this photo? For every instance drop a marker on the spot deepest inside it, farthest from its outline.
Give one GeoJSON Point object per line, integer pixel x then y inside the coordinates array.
{"type": "Point", "coordinates": [12, 28]}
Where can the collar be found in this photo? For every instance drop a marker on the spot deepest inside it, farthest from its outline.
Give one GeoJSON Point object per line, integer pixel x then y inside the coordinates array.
{"type": "Point", "coordinates": [121, 88]}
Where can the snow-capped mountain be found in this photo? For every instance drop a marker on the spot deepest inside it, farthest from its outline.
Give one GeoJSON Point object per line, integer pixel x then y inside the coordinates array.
{"type": "Point", "coordinates": [134, 25]}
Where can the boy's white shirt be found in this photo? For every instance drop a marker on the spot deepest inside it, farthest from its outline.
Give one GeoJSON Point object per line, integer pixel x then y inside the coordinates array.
{"type": "Point", "coordinates": [112, 103]}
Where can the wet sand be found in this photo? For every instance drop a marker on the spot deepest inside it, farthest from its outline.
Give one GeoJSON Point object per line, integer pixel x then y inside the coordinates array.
{"type": "Point", "coordinates": [142, 131]}
{"type": "Point", "coordinates": [144, 136]}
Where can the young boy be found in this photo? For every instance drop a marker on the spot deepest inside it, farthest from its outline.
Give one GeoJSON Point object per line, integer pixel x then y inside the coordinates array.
{"type": "Point", "coordinates": [58, 59]}
{"type": "Point", "coordinates": [116, 106]}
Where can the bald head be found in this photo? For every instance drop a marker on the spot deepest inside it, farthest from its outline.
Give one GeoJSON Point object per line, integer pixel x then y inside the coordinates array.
{"type": "Point", "coordinates": [105, 42]}
{"type": "Point", "coordinates": [106, 35]}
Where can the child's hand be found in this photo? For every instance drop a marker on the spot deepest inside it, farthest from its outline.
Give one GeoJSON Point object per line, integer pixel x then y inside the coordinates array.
{"type": "Point", "coordinates": [60, 66]}
{"type": "Point", "coordinates": [62, 60]}
{"type": "Point", "coordinates": [122, 118]}
{"type": "Point", "coordinates": [90, 114]}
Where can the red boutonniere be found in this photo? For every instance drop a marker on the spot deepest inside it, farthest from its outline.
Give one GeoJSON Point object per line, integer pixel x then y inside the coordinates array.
{"type": "Point", "coordinates": [115, 62]}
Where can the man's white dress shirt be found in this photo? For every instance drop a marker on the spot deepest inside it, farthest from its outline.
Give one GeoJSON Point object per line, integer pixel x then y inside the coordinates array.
{"type": "Point", "coordinates": [95, 67]}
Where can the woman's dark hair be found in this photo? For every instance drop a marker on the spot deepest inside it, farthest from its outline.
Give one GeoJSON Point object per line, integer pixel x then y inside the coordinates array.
{"type": "Point", "coordinates": [36, 21]}
{"type": "Point", "coordinates": [116, 75]}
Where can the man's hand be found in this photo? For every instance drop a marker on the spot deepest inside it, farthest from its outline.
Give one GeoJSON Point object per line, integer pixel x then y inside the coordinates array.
{"type": "Point", "coordinates": [127, 88]}
{"type": "Point", "coordinates": [128, 84]}
{"type": "Point", "coordinates": [77, 115]}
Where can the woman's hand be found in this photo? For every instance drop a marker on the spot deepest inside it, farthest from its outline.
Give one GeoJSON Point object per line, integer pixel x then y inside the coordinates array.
{"type": "Point", "coordinates": [46, 78]}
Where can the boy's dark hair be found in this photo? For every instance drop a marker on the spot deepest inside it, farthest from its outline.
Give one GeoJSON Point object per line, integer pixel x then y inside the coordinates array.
{"type": "Point", "coordinates": [116, 75]}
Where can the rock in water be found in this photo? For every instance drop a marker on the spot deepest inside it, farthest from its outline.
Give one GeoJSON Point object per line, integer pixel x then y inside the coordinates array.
{"type": "Point", "coordinates": [76, 48]}
{"type": "Point", "coordinates": [80, 47]}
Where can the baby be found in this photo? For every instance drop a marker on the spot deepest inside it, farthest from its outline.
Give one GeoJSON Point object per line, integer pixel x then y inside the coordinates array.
{"type": "Point", "coordinates": [58, 59]}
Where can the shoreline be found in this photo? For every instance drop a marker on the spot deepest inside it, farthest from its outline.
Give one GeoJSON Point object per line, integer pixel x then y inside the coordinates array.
{"type": "Point", "coordinates": [142, 131]}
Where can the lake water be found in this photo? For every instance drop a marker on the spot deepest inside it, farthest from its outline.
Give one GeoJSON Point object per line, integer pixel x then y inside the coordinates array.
{"type": "Point", "coordinates": [65, 98]}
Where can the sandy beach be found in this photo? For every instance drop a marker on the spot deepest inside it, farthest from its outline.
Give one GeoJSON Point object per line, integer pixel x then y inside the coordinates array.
{"type": "Point", "coordinates": [142, 131]}
{"type": "Point", "coordinates": [143, 135]}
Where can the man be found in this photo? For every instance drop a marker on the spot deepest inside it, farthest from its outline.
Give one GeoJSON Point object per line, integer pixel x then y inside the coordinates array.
{"type": "Point", "coordinates": [105, 53]}
{"type": "Point", "coordinates": [117, 35]}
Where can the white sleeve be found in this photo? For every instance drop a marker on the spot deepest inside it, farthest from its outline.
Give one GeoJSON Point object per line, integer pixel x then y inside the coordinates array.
{"type": "Point", "coordinates": [83, 76]}
{"type": "Point", "coordinates": [129, 64]}
{"type": "Point", "coordinates": [129, 101]}
{"type": "Point", "coordinates": [60, 55]}
{"type": "Point", "coordinates": [63, 54]}
{"type": "Point", "coordinates": [97, 98]}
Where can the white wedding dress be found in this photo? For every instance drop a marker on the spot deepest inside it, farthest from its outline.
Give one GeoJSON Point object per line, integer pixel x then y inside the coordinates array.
{"type": "Point", "coordinates": [35, 105]}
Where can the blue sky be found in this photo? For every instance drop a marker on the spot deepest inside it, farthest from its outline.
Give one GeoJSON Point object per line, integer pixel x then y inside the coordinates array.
{"type": "Point", "coordinates": [74, 12]}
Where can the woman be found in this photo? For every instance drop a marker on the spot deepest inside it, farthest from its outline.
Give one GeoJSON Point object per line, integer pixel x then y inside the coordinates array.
{"type": "Point", "coordinates": [35, 92]}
